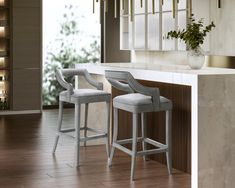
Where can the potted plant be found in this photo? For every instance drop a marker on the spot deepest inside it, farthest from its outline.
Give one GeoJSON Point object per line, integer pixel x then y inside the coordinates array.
{"type": "Point", "coordinates": [193, 37]}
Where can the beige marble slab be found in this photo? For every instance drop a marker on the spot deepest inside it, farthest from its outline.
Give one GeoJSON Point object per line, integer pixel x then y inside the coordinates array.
{"type": "Point", "coordinates": [216, 131]}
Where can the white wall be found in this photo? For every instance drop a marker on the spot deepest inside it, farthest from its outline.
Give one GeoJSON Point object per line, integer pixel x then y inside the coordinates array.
{"type": "Point", "coordinates": [159, 57]}
{"type": "Point", "coordinates": [222, 38]}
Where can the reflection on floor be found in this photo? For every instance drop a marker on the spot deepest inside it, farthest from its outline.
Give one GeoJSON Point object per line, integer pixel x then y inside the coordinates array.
{"type": "Point", "coordinates": [26, 161]}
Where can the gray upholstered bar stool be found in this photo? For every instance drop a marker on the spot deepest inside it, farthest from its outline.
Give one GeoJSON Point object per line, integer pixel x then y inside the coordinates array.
{"type": "Point", "coordinates": [79, 97]}
{"type": "Point", "coordinates": [145, 100]}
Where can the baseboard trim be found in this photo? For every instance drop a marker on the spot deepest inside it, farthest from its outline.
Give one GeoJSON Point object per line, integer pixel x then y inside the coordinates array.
{"type": "Point", "coordinates": [48, 107]}
{"type": "Point", "coordinates": [16, 112]}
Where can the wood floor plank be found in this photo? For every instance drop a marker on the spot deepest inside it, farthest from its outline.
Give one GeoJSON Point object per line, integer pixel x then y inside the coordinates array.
{"type": "Point", "coordinates": [26, 161]}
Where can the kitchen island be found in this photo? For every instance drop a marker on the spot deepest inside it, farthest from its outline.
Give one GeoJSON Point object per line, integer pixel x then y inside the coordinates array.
{"type": "Point", "coordinates": [204, 101]}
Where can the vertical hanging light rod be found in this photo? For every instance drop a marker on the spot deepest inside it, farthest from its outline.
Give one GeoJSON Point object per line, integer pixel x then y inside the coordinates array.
{"type": "Point", "coordinates": [219, 3]}
{"type": "Point", "coordinates": [106, 5]}
{"type": "Point", "coordinates": [141, 3]}
{"type": "Point", "coordinates": [115, 8]}
{"type": "Point", "coordinates": [153, 6]}
{"type": "Point", "coordinates": [100, 10]}
{"type": "Point", "coordinates": [189, 8]}
{"type": "Point", "coordinates": [132, 10]}
{"type": "Point", "coordinates": [173, 8]}
{"type": "Point", "coordinates": [93, 7]}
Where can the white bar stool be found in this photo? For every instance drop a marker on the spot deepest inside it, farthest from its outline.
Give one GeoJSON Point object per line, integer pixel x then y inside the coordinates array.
{"type": "Point", "coordinates": [146, 99]}
{"type": "Point", "coordinates": [78, 97]}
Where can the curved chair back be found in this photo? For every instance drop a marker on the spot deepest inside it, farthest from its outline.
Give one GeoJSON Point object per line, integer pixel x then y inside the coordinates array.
{"type": "Point", "coordinates": [61, 73]}
{"type": "Point", "coordinates": [124, 81]}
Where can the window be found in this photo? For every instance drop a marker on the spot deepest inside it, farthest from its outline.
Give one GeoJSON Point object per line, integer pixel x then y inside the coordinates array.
{"type": "Point", "coordinates": [150, 24]}
{"type": "Point", "coordinates": [71, 35]}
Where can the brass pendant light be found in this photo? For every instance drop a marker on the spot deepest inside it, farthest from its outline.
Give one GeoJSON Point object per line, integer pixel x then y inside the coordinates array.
{"type": "Point", "coordinates": [153, 6]}
{"type": "Point", "coordinates": [219, 3]}
{"type": "Point", "coordinates": [115, 8]}
{"type": "Point", "coordinates": [141, 4]}
{"type": "Point", "coordinates": [173, 8]}
{"type": "Point", "coordinates": [132, 10]}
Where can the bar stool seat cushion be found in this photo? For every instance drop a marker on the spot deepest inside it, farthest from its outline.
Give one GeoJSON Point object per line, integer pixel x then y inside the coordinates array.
{"type": "Point", "coordinates": [85, 95]}
{"type": "Point", "coordinates": [136, 102]}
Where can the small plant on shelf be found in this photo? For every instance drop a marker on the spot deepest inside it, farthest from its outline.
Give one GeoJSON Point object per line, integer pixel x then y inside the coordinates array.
{"type": "Point", "coordinates": [193, 36]}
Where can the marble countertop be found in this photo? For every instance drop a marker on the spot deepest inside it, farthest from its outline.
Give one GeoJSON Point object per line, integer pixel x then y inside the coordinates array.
{"type": "Point", "coordinates": [171, 68]}
{"type": "Point", "coordinates": [167, 73]}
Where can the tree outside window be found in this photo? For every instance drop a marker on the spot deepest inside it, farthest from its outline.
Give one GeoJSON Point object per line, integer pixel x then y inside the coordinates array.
{"type": "Point", "coordinates": [66, 51]}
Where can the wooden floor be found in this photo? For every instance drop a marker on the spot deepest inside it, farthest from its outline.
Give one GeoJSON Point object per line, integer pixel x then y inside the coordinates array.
{"type": "Point", "coordinates": [26, 161]}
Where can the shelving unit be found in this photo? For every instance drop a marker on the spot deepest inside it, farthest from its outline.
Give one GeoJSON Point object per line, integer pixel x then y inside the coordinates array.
{"type": "Point", "coordinates": [150, 25]}
{"type": "Point", "coordinates": [4, 54]}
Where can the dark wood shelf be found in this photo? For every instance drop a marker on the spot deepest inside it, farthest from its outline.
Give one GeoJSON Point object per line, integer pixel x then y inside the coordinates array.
{"type": "Point", "coordinates": [4, 69]}
{"type": "Point", "coordinates": [4, 38]}
{"type": "Point", "coordinates": [4, 81]}
{"type": "Point", "coordinates": [3, 53]}
{"type": "Point", "coordinates": [4, 23]}
{"type": "Point", "coordinates": [2, 7]}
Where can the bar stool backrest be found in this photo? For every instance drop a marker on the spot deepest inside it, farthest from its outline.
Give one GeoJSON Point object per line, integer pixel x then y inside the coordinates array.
{"type": "Point", "coordinates": [62, 73]}
{"type": "Point", "coordinates": [123, 80]}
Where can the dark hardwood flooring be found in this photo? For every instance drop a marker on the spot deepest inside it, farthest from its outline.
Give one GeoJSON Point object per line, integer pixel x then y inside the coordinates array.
{"type": "Point", "coordinates": [26, 161]}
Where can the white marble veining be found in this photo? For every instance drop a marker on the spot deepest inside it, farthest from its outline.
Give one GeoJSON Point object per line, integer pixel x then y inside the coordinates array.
{"type": "Point", "coordinates": [162, 67]}
{"type": "Point", "coordinates": [212, 116]}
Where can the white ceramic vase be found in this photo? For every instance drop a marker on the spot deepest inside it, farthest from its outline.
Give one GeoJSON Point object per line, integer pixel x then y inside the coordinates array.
{"type": "Point", "coordinates": [196, 58]}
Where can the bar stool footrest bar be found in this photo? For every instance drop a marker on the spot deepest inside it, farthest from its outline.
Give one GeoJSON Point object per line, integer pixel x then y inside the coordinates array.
{"type": "Point", "coordinates": [152, 151]}
{"type": "Point", "coordinates": [128, 141]}
{"type": "Point", "coordinates": [83, 139]}
{"type": "Point", "coordinates": [154, 143]}
{"type": "Point", "coordinates": [122, 148]}
{"type": "Point", "coordinates": [67, 130]}
{"type": "Point", "coordinates": [94, 130]}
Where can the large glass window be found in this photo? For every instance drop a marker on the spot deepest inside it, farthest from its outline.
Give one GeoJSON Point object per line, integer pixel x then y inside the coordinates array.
{"type": "Point", "coordinates": [151, 22]}
{"type": "Point", "coordinates": [71, 34]}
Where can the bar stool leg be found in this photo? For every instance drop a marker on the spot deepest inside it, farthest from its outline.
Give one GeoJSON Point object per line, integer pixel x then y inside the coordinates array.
{"type": "Point", "coordinates": [107, 127]}
{"type": "Point", "coordinates": [134, 144]}
{"type": "Point", "coordinates": [144, 131]}
{"type": "Point", "coordinates": [60, 117]}
{"type": "Point", "coordinates": [115, 134]}
{"type": "Point", "coordinates": [85, 122]}
{"type": "Point", "coordinates": [77, 127]}
{"type": "Point", "coordinates": [169, 140]}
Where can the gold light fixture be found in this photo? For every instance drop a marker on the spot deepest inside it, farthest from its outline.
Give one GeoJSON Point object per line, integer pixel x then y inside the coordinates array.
{"type": "Point", "coordinates": [93, 6]}
{"type": "Point", "coordinates": [131, 9]}
{"type": "Point", "coordinates": [115, 8]}
{"type": "Point", "coordinates": [219, 3]}
{"type": "Point", "coordinates": [153, 6]}
{"type": "Point", "coordinates": [190, 8]}
{"type": "Point", "coordinates": [173, 8]}
{"type": "Point", "coordinates": [106, 6]}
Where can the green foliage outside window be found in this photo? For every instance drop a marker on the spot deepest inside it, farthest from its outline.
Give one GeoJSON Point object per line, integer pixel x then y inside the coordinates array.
{"type": "Point", "coordinates": [66, 55]}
